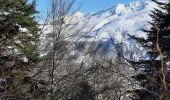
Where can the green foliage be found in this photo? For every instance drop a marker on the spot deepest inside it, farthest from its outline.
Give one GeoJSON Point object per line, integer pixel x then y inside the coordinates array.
{"type": "Point", "coordinates": [150, 77]}
{"type": "Point", "coordinates": [16, 15]}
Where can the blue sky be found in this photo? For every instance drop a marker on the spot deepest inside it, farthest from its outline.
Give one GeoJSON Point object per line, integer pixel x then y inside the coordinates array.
{"type": "Point", "coordinates": [86, 6]}
{"type": "Point", "coordinates": [97, 5]}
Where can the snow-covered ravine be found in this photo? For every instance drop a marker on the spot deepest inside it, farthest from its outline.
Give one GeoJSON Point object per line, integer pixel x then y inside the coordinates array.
{"type": "Point", "coordinates": [111, 26]}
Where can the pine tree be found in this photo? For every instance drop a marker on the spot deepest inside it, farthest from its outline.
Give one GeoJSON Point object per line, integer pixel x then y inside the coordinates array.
{"type": "Point", "coordinates": [154, 75]}
{"type": "Point", "coordinates": [18, 43]}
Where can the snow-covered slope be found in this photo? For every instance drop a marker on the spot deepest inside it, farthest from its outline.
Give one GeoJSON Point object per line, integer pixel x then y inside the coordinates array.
{"type": "Point", "coordinates": [111, 26]}
{"type": "Point", "coordinates": [122, 18]}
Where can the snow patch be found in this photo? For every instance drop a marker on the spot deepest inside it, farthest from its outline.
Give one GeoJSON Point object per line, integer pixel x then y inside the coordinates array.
{"type": "Point", "coordinates": [120, 8]}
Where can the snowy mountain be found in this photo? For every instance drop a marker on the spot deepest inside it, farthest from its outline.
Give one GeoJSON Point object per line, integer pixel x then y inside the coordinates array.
{"type": "Point", "coordinates": [111, 26]}
{"type": "Point", "coordinates": [122, 18]}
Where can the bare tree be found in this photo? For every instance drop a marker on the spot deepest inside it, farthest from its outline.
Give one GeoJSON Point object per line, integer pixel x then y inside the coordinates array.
{"type": "Point", "coordinates": [96, 76]}
{"type": "Point", "coordinates": [57, 68]}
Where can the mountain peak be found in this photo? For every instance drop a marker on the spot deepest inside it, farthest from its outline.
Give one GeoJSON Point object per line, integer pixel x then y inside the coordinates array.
{"type": "Point", "coordinates": [119, 8]}
{"type": "Point", "coordinates": [135, 4]}
{"type": "Point", "coordinates": [78, 14]}
{"type": "Point", "coordinates": [126, 8]}
{"type": "Point", "coordinates": [130, 6]}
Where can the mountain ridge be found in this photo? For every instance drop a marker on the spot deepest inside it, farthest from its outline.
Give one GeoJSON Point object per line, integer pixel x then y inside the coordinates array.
{"type": "Point", "coordinates": [116, 23]}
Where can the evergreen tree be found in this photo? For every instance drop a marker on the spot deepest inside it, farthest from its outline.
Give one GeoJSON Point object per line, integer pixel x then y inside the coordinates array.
{"type": "Point", "coordinates": [18, 44]}
{"type": "Point", "coordinates": [154, 75]}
